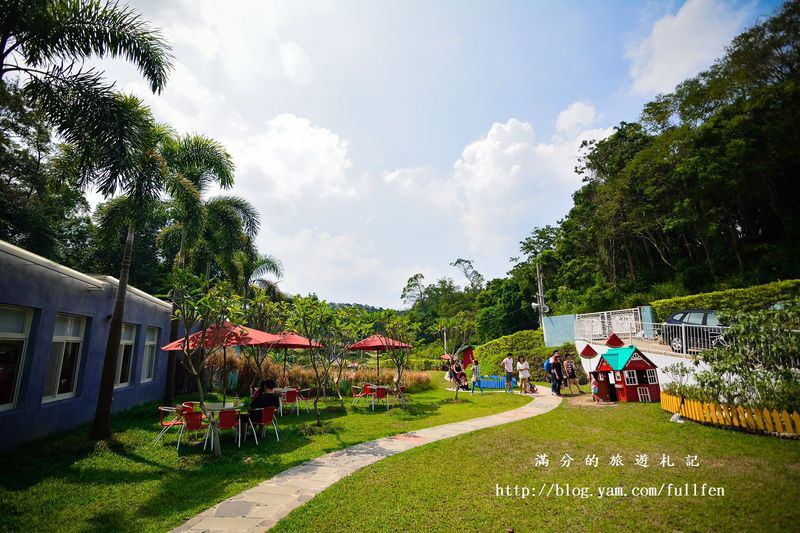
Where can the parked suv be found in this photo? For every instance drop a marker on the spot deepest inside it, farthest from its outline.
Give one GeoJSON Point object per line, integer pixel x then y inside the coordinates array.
{"type": "Point", "coordinates": [693, 330]}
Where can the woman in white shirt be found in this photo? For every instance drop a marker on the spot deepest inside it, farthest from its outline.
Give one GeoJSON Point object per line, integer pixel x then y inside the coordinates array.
{"type": "Point", "coordinates": [524, 373]}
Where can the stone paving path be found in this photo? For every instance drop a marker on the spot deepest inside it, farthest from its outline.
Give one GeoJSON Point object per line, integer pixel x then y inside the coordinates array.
{"type": "Point", "coordinates": [260, 508]}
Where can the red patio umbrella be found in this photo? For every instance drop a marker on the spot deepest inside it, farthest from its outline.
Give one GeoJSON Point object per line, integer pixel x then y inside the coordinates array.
{"type": "Point", "coordinates": [290, 339]}
{"type": "Point", "coordinates": [377, 343]}
{"type": "Point", "coordinates": [613, 341]}
{"type": "Point", "coordinates": [588, 352]}
{"type": "Point", "coordinates": [225, 334]}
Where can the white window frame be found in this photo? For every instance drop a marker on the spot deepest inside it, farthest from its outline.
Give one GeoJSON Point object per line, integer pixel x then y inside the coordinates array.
{"type": "Point", "coordinates": [120, 352]}
{"type": "Point", "coordinates": [652, 376]}
{"type": "Point", "coordinates": [64, 339]}
{"type": "Point", "coordinates": [630, 377]}
{"type": "Point", "coordinates": [148, 345]}
{"type": "Point", "coordinates": [643, 392]}
{"type": "Point", "coordinates": [26, 331]}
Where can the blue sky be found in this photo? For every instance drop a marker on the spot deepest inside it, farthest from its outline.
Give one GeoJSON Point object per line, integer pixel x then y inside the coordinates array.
{"type": "Point", "coordinates": [381, 139]}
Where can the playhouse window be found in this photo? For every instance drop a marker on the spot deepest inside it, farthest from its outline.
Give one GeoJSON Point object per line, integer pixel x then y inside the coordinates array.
{"type": "Point", "coordinates": [652, 376]}
{"type": "Point", "coordinates": [15, 324]}
{"type": "Point", "coordinates": [630, 377]}
{"type": "Point", "coordinates": [150, 350]}
{"type": "Point", "coordinates": [644, 394]}
{"type": "Point", "coordinates": [65, 357]}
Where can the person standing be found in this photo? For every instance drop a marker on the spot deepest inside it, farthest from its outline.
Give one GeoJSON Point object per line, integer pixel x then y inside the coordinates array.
{"type": "Point", "coordinates": [508, 367]}
{"type": "Point", "coordinates": [476, 376]}
{"type": "Point", "coordinates": [595, 390]}
{"type": "Point", "coordinates": [524, 373]}
{"type": "Point", "coordinates": [572, 377]}
{"type": "Point", "coordinates": [556, 374]}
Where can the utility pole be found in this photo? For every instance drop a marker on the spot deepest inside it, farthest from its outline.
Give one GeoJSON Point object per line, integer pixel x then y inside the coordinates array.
{"type": "Point", "coordinates": [540, 295]}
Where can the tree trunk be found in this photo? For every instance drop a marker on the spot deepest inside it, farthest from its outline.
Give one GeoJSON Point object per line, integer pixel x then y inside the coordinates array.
{"type": "Point", "coordinates": [212, 421]}
{"type": "Point", "coordinates": [174, 328]}
{"type": "Point", "coordinates": [101, 425]}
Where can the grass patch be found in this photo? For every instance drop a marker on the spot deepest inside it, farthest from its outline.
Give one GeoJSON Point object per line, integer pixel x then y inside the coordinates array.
{"type": "Point", "coordinates": [452, 484]}
{"type": "Point", "coordinates": [70, 483]}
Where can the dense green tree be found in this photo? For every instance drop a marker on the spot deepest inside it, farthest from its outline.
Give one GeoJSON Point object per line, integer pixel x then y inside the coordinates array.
{"type": "Point", "coordinates": [700, 194]}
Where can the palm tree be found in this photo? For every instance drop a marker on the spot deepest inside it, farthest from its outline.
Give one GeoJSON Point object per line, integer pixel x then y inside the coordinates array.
{"type": "Point", "coordinates": [248, 271]}
{"type": "Point", "coordinates": [195, 162]}
{"type": "Point", "coordinates": [230, 226]}
{"type": "Point", "coordinates": [45, 43]}
{"type": "Point", "coordinates": [141, 174]}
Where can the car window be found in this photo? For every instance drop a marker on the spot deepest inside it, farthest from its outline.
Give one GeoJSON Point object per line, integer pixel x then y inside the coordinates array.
{"type": "Point", "coordinates": [678, 316]}
{"type": "Point", "coordinates": [711, 319]}
{"type": "Point", "coordinates": [694, 318]}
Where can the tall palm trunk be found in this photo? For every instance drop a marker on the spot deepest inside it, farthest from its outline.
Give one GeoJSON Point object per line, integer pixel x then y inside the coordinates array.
{"type": "Point", "coordinates": [174, 327]}
{"type": "Point", "coordinates": [101, 425]}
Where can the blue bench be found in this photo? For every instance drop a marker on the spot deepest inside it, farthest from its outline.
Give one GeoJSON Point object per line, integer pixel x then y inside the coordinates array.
{"type": "Point", "coordinates": [496, 382]}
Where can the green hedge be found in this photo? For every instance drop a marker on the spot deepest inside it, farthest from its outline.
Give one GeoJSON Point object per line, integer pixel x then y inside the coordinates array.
{"type": "Point", "coordinates": [529, 343]}
{"type": "Point", "coordinates": [732, 300]}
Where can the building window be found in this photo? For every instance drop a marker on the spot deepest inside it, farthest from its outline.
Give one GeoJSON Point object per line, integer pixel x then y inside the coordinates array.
{"type": "Point", "coordinates": [65, 358]}
{"type": "Point", "coordinates": [652, 376]}
{"type": "Point", "coordinates": [150, 350]}
{"type": "Point", "coordinates": [125, 355]}
{"type": "Point", "coordinates": [630, 377]}
{"type": "Point", "coordinates": [15, 325]}
{"type": "Point", "coordinates": [644, 394]}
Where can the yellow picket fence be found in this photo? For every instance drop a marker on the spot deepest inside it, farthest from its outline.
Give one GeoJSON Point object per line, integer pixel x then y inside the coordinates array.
{"type": "Point", "coordinates": [746, 418]}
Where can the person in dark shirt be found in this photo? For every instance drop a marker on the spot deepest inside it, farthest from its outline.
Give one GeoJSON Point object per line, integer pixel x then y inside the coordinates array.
{"type": "Point", "coordinates": [265, 396]}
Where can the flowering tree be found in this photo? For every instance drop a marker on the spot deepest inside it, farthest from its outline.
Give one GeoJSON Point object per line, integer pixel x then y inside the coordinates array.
{"type": "Point", "coordinates": [454, 336]}
{"type": "Point", "coordinates": [348, 325]}
{"type": "Point", "coordinates": [266, 315]}
{"type": "Point", "coordinates": [396, 326]}
{"type": "Point", "coordinates": [199, 307]}
{"type": "Point", "coordinates": [314, 319]}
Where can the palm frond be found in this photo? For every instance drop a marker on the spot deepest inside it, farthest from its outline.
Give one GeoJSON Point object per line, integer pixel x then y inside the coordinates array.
{"type": "Point", "coordinates": [228, 206]}
{"type": "Point", "coordinates": [78, 29]}
{"type": "Point", "coordinates": [202, 160]}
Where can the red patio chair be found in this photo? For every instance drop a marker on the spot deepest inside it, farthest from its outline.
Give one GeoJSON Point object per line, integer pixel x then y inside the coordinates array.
{"type": "Point", "coordinates": [228, 419]}
{"type": "Point", "coordinates": [188, 407]}
{"type": "Point", "coordinates": [290, 397]}
{"type": "Point", "coordinates": [168, 417]}
{"type": "Point", "coordinates": [305, 396]}
{"type": "Point", "coordinates": [192, 421]}
{"type": "Point", "coordinates": [261, 418]}
{"type": "Point", "coordinates": [380, 394]}
{"type": "Point", "coordinates": [367, 390]}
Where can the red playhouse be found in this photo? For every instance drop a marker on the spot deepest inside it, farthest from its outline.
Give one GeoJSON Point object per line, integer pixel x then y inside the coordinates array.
{"type": "Point", "coordinates": [466, 358]}
{"type": "Point", "coordinates": [635, 378]}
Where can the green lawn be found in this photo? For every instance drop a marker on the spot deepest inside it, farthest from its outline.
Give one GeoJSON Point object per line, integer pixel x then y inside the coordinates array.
{"type": "Point", "coordinates": [452, 484]}
{"type": "Point", "coordinates": [66, 482]}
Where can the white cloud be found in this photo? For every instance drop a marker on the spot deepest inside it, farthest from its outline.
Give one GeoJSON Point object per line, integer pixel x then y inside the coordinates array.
{"type": "Point", "coordinates": [578, 116]}
{"type": "Point", "coordinates": [506, 182]}
{"type": "Point", "coordinates": [681, 45]}
{"type": "Point", "coordinates": [292, 157]}
{"type": "Point", "coordinates": [296, 63]}
{"type": "Point", "coordinates": [338, 266]}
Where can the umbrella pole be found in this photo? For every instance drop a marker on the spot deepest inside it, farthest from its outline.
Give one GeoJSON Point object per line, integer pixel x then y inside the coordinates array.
{"type": "Point", "coordinates": [224, 374]}
{"type": "Point", "coordinates": [285, 356]}
{"type": "Point", "coordinates": [378, 371]}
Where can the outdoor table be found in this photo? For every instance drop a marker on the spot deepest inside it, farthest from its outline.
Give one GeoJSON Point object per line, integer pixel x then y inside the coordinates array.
{"type": "Point", "coordinates": [216, 407]}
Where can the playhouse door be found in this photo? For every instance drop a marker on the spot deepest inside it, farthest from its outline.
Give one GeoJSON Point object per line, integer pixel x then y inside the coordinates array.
{"type": "Point", "coordinates": [605, 388]}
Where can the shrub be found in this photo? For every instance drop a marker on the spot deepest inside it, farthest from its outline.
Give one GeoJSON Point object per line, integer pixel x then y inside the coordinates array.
{"type": "Point", "coordinates": [732, 300]}
{"type": "Point", "coordinates": [529, 343]}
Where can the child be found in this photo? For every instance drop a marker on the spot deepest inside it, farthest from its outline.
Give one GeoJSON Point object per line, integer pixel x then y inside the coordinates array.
{"type": "Point", "coordinates": [595, 390]}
